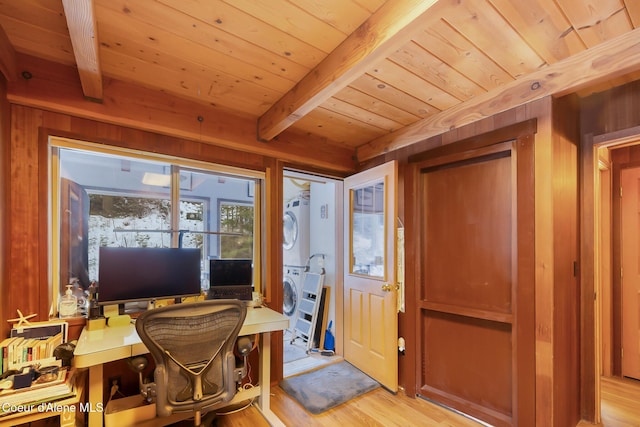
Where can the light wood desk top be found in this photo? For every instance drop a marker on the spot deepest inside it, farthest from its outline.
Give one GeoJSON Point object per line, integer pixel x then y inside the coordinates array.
{"type": "Point", "coordinates": [115, 343]}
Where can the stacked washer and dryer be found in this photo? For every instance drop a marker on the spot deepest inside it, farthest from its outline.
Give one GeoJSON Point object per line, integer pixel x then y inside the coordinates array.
{"type": "Point", "coordinates": [296, 236]}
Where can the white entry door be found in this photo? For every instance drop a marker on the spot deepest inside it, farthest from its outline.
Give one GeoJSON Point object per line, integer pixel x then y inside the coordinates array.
{"type": "Point", "coordinates": [370, 288]}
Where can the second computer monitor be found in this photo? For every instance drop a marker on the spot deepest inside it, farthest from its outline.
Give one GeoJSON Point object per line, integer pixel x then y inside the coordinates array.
{"type": "Point", "coordinates": [231, 278]}
{"type": "Point", "coordinates": [229, 272]}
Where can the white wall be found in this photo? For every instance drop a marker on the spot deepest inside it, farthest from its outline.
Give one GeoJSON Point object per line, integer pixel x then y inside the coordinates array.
{"type": "Point", "coordinates": [323, 234]}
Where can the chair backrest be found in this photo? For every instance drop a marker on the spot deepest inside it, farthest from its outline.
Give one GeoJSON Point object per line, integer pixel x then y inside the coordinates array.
{"type": "Point", "coordinates": [192, 345]}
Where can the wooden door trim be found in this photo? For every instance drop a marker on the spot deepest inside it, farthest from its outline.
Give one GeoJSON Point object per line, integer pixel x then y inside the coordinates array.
{"type": "Point", "coordinates": [410, 361]}
{"type": "Point", "coordinates": [524, 389]}
{"type": "Point", "coordinates": [45, 295]}
{"type": "Point", "coordinates": [588, 367]}
{"type": "Point", "coordinates": [507, 133]}
{"type": "Point", "coordinates": [472, 156]}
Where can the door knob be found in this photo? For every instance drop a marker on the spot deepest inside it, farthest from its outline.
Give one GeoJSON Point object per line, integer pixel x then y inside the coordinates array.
{"type": "Point", "coordinates": [387, 287]}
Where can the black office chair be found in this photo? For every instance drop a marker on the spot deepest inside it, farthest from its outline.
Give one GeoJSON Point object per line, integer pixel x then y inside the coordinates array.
{"type": "Point", "coordinates": [192, 345]}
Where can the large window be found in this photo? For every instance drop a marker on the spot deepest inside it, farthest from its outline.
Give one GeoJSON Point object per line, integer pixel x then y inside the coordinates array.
{"type": "Point", "coordinates": [116, 198]}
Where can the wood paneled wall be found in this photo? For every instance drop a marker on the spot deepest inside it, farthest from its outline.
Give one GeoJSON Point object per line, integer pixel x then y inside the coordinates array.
{"type": "Point", "coordinates": [566, 288]}
{"type": "Point", "coordinates": [4, 204]}
{"type": "Point", "coordinates": [610, 111]}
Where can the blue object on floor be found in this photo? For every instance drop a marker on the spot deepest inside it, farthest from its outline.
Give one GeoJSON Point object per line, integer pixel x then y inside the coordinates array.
{"type": "Point", "coordinates": [329, 340]}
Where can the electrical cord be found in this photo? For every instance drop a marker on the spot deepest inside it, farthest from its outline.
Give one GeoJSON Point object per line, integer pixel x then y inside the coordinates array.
{"type": "Point", "coordinates": [235, 411]}
{"type": "Point", "coordinates": [250, 383]}
{"type": "Point", "coordinates": [247, 386]}
{"type": "Point", "coordinates": [114, 389]}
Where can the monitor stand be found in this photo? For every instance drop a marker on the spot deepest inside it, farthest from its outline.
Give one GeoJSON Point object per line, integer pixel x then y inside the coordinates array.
{"type": "Point", "coordinates": [111, 310]}
{"type": "Point", "coordinates": [135, 307]}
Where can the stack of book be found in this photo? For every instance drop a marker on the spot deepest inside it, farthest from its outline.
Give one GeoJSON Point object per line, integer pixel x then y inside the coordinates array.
{"type": "Point", "coordinates": [32, 344]}
{"type": "Point", "coordinates": [18, 352]}
{"type": "Point", "coordinates": [29, 398]}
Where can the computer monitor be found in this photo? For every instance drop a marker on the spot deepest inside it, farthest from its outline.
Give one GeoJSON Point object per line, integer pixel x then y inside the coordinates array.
{"type": "Point", "coordinates": [231, 278]}
{"type": "Point", "coordinates": [230, 272]}
{"type": "Point", "coordinates": [144, 274]}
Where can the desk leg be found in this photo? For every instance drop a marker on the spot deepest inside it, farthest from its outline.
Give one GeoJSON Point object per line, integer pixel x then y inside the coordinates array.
{"type": "Point", "coordinates": [264, 401]}
{"type": "Point", "coordinates": [95, 395]}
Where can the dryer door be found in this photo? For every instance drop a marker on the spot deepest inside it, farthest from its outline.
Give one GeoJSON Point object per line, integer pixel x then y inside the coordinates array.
{"type": "Point", "coordinates": [290, 299]}
{"type": "Point", "coordinates": [290, 230]}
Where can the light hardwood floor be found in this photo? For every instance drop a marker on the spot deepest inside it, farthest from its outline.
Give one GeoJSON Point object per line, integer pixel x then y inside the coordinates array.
{"type": "Point", "coordinates": [620, 402]}
{"type": "Point", "coordinates": [379, 408]}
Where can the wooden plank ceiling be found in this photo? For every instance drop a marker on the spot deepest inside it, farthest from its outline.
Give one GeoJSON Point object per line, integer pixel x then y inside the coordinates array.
{"type": "Point", "coordinates": [366, 75]}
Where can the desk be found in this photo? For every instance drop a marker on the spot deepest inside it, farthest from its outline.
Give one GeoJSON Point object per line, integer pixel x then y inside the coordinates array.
{"type": "Point", "coordinates": [105, 345]}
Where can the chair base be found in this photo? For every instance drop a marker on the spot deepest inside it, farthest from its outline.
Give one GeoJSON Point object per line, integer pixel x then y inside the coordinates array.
{"type": "Point", "coordinates": [208, 420]}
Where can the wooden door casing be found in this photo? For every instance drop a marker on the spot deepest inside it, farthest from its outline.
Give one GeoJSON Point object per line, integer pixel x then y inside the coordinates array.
{"type": "Point", "coordinates": [476, 333]}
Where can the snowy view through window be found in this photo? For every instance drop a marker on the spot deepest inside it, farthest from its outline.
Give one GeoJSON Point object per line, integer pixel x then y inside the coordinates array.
{"type": "Point", "coordinates": [146, 217]}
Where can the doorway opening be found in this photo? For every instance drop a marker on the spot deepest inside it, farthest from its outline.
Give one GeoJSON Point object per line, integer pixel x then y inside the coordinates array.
{"type": "Point", "coordinates": [616, 186]}
{"type": "Point", "coordinates": [312, 270]}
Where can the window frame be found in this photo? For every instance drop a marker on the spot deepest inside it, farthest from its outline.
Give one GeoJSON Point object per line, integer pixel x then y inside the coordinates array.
{"type": "Point", "coordinates": [56, 143]}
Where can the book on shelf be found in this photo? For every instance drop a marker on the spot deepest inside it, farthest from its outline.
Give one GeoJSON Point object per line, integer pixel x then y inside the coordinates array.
{"type": "Point", "coordinates": [41, 330]}
{"type": "Point", "coordinates": [18, 352]}
{"type": "Point", "coordinates": [4, 353]}
{"type": "Point", "coordinates": [61, 387]}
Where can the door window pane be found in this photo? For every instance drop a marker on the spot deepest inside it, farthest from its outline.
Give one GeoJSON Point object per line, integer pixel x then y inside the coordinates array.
{"type": "Point", "coordinates": [367, 230]}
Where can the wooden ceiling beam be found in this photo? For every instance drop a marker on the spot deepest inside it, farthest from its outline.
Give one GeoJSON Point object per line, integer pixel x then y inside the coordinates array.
{"type": "Point", "coordinates": [55, 87]}
{"type": "Point", "coordinates": [81, 21]}
{"type": "Point", "coordinates": [614, 58]}
{"type": "Point", "coordinates": [373, 41]}
{"type": "Point", "coordinates": [8, 65]}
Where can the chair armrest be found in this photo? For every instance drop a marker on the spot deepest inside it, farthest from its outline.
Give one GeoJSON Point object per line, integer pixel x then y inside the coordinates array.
{"type": "Point", "coordinates": [244, 346]}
